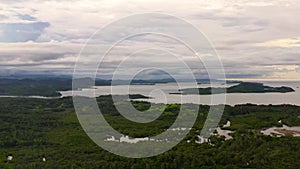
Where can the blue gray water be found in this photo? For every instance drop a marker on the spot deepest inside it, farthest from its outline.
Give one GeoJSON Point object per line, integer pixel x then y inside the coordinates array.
{"type": "Point", "coordinates": [160, 94]}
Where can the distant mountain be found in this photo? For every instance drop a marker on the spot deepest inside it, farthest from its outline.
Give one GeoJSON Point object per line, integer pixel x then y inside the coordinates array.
{"type": "Point", "coordinates": [50, 86]}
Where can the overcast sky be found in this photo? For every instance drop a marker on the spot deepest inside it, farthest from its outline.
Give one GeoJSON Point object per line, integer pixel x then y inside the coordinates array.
{"type": "Point", "coordinates": [255, 39]}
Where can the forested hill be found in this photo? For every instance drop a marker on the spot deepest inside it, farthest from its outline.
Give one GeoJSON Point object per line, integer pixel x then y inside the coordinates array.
{"type": "Point", "coordinates": [50, 86]}
{"type": "Point", "coordinates": [47, 87]}
{"type": "Point", "coordinates": [244, 87]}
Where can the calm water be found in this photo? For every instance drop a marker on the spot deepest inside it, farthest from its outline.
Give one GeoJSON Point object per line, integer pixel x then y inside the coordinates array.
{"type": "Point", "coordinates": [160, 94]}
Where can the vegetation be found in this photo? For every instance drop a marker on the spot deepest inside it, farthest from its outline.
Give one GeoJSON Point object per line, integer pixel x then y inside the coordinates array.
{"type": "Point", "coordinates": [34, 87]}
{"type": "Point", "coordinates": [33, 129]}
{"type": "Point", "coordinates": [50, 86]}
{"type": "Point", "coordinates": [243, 87]}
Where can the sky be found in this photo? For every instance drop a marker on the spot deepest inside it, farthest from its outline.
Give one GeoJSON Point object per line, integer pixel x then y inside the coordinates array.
{"type": "Point", "coordinates": [255, 39]}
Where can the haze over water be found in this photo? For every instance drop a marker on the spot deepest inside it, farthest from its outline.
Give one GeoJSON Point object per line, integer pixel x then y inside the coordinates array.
{"type": "Point", "coordinates": [160, 94]}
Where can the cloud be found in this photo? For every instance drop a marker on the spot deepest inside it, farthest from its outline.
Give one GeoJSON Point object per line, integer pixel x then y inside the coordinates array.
{"type": "Point", "coordinates": [38, 55]}
{"type": "Point", "coordinates": [285, 75]}
{"type": "Point", "coordinates": [284, 43]}
{"type": "Point", "coordinates": [283, 67]}
{"type": "Point", "coordinates": [3, 17]}
{"type": "Point", "coordinates": [242, 23]}
{"type": "Point", "coordinates": [27, 17]}
{"type": "Point", "coordinates": [254, 38]}
{"type": "Point", "coordinates": [20, 32]}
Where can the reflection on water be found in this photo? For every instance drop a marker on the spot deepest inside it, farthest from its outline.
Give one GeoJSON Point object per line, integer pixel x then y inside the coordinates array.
{"type": "Point", "coordinates": [160, 94]}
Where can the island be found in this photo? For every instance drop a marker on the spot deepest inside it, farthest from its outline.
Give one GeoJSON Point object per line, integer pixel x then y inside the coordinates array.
{"type": "Point", "coordinates": [243, 87]}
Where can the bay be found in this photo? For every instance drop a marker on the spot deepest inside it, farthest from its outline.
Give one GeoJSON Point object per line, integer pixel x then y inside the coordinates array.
{"type": "Point", "coordinates": [160, 93]}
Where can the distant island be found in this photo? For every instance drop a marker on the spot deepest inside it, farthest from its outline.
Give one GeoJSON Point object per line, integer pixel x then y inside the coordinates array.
{"type": "Point", "coordinates": [50, 86]}
{"type": "Point", "coordinates": [243, 87]}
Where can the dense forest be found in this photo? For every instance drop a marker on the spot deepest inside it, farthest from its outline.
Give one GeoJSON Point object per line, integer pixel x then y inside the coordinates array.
{"type": "Point", "coordinates": [46, 134]}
